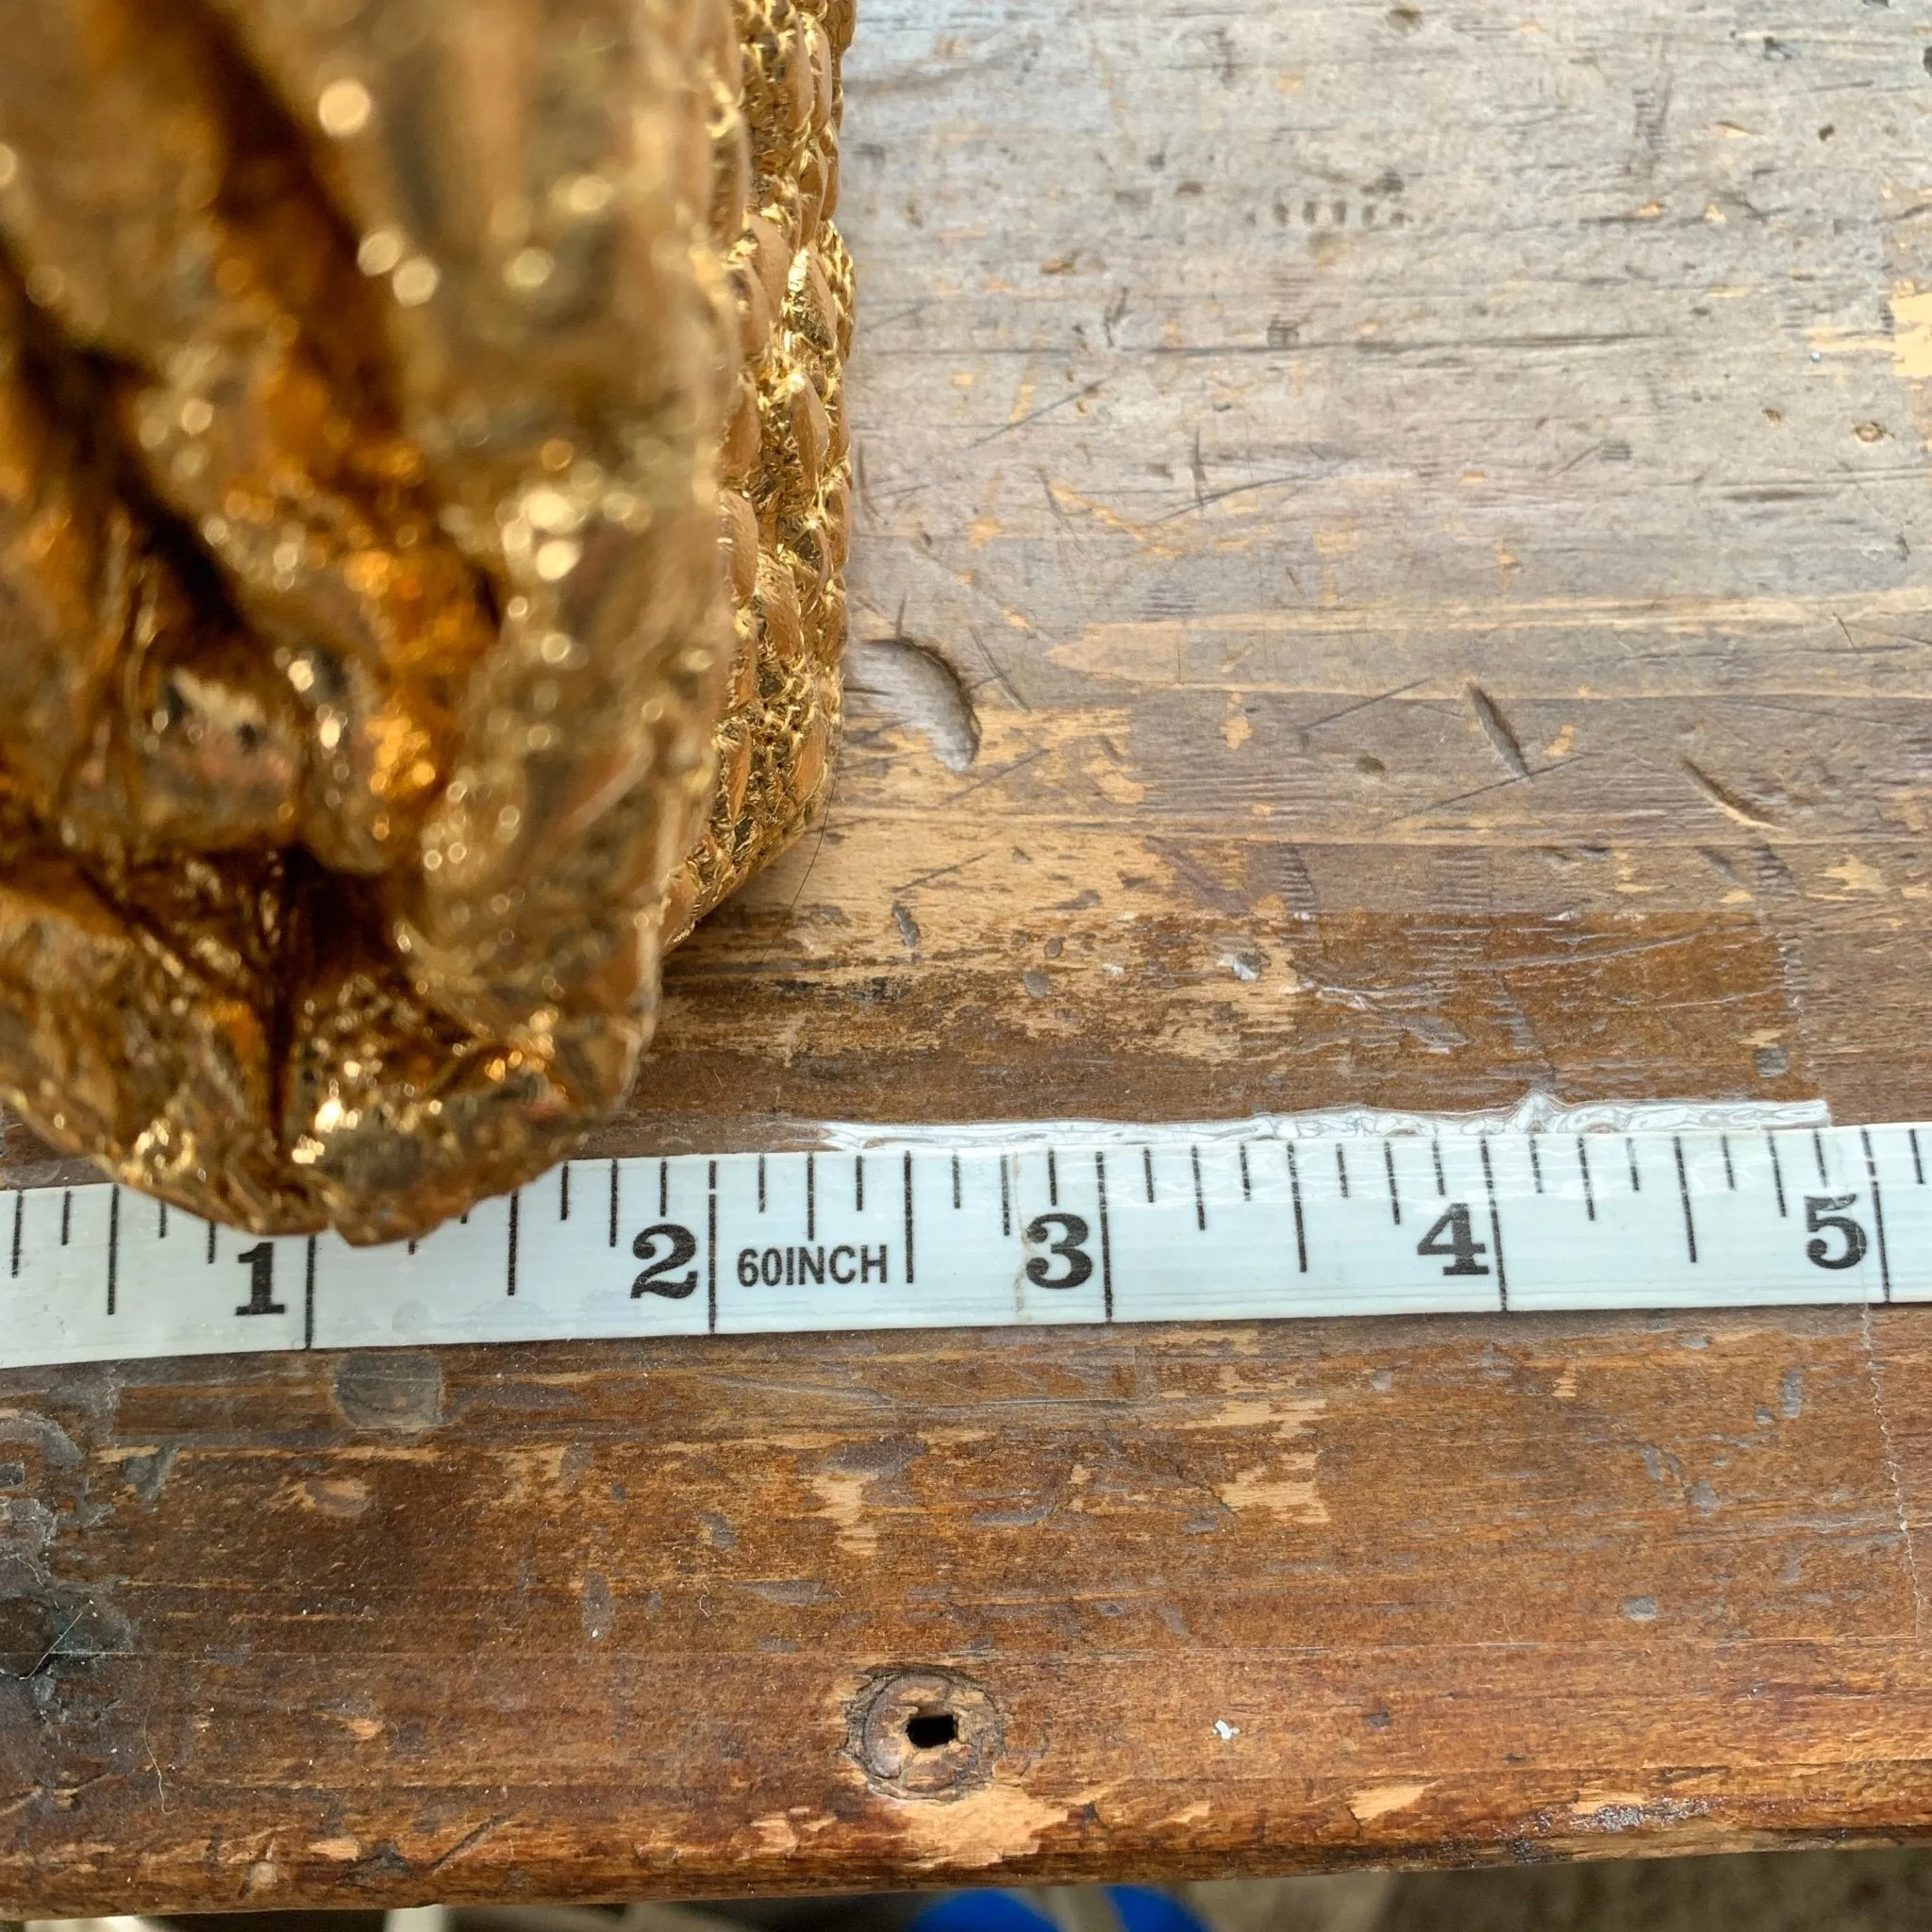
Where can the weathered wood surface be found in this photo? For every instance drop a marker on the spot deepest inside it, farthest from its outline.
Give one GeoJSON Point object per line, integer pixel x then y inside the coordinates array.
{"type": "Point", "coordinates": [1389, 569]}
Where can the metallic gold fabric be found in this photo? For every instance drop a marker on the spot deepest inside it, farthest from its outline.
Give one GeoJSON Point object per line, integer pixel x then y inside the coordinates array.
{"type": "Point", "coordinates": [786, 470]}
{"type": "Point", "coordinates": [377, 695]}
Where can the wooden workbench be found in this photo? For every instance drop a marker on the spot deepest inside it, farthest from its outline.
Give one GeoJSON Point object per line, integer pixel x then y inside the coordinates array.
{"type": "Point", "coordinates": [1391, 569]}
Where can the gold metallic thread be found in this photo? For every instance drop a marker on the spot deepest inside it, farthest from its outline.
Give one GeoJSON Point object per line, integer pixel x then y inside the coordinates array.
{"type": "Point", "coordinates": [423, 495]}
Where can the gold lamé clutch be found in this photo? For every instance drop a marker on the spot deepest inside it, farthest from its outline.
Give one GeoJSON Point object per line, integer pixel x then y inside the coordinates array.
{"type": "Point", "coordinates": [422, 500]}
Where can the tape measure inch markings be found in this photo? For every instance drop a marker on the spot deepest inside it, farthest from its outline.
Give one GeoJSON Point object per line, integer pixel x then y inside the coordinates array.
{"type": "Point", "coordinates": [1158, 1226]}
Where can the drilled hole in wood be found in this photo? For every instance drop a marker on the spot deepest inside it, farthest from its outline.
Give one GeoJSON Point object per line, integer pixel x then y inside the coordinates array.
{"type": "Point", "coordinates": [928, 1730]}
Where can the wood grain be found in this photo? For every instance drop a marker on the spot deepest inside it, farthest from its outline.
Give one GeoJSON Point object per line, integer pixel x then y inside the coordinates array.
{"type": "Point", "coordinates": [1389, 570]}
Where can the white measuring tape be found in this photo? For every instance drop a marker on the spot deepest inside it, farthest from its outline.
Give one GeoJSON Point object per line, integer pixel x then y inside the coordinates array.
{"type": "Point", "coordinates": [1155, 1226]}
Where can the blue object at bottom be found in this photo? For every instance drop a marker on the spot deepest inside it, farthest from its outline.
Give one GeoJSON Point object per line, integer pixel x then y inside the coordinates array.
{"type": "Point", "coordinates": [1139, 1908]}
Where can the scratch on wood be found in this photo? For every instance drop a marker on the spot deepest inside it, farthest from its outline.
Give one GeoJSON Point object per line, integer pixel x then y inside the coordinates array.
{"type": "Point", "coordinates": [468, 1843]}
{"type": "Point", "coordinates": [1497, 729]}
{"type": "Point", "coordinates": [940, 871]}
{"type": "Point", "coordinates": [1381, 697]}
{"type": "Point", "coordinates": [1206, 887]}
{"type": "Point", "coordinates": [1483, 790]}
{"type": "Point", "coordinates": [1044, 409]}
{"type": "Point", "coordinates": [1032, 758]}
{"type": "Point", "coordinates": [1732, 802]}
{"type": "Point", "coordinates": [1005, 683]}
{"type": "Point", "coordinates": [1253, 486]}
{"type": "Point", "coordinates": [1898, 1495]}
{"type": "Point", "coordinates": [154, 1764]}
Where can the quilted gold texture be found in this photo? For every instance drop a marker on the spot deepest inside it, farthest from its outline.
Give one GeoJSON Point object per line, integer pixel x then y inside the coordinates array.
{"type": "Point", "coordinates": [379, 692]}
{"type": "Point", "coordinates": [786, 468]}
